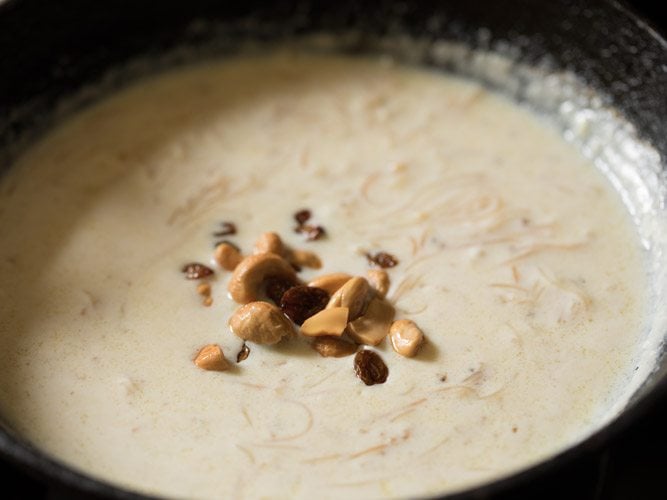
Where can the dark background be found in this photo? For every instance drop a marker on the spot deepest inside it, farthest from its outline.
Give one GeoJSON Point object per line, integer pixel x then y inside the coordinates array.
{"type": "Point", "coordinates": [631, 466]}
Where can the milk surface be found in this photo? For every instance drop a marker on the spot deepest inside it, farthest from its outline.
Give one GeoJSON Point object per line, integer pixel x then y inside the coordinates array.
{"type": "Point", "coordinates": [516, 259]}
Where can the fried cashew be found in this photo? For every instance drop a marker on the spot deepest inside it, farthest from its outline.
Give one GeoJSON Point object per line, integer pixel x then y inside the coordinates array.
{"type": "Point", "coordinates": [245, 283]}
{"type": "Point", "coordinates": [269, 243]}
{"type": "Point", "coordinates": [303, 258]}
{"type": "Point", "coordinates": [373, 326]}
{"type": "Point", "coordinates": [330, 282]}
{"type": "Point", "coordinates": [211, 358]}
{"type": "Point", "coordinates": [331, 321]}
{"type": "Point", "coordinates": [227, 256]}
{"type": "Point", "coordinates": [406, 337]}
{"type": "Point", "coordinates": [272, 243]}
{"type": "Point", "coordinates": [379, 281]}
{"type": "Point", "coordinates": [354, 295]}
{"type": "Point", "coordinates": [260, 322]}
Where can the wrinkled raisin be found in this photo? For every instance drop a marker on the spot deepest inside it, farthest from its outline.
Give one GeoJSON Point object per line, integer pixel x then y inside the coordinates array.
{"type": "Point", "coordinates": [243, 353]}
{"type": "Point", "coordinates": [370, 368]}
{"type": "Point", "coordinates": [275, 287]}
{"type": "Point", "coordinates": [194, 271]}
{"type": "Point", "coordinates": [382, 259]}
{"type": "Point", "coordinates": [310, 232]}
{"type": "Point", "coordinates": [302, 216]}
{"type": "Point", "coordinates": [226, 228]}
{"type": "Point", "coordinates": [301, 302]}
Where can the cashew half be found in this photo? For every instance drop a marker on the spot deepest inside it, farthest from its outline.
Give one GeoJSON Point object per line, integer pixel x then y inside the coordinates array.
{"type": "Point", "coordinates": [244, 285]}
{"type": "Point", "coordinates": [303, 258]}
{"type": "Point", "coordinates": [331, 322]}
{"type": "Point", "coordinates": [260, 322]}
{"type": "Point", "coordinates": [373, 326]}
{"type": "Point", "coordinates": [330, 282]}
{"type": "Point", "coordinates": [269, 243]}
{"type": "Point", "coordinates": [379, 280]}
{"type": "Point", "coordinates": [354, 295]}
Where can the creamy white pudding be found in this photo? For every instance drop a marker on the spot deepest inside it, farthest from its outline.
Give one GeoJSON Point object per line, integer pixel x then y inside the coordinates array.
{"type": "Point", "coordinates": [516, 258]}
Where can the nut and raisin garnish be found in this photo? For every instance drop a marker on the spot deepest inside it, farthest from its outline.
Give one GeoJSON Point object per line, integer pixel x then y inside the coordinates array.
{"type": "Point", "coordinates": [336, 312]}
{"type": "Point", "coordinates": [370, 368]}
{"type": "Point", "coordinates": [195, 271]}
{"type": "Point", "coordinates": [301, 302]}
{"type": "Point", "coordinates": [382, 259]}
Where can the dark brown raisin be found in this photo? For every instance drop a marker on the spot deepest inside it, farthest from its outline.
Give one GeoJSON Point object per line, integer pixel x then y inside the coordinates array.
{"type": "Point", "coordinates": [226, 242]}
{"type": "Point", "coordinates": [243, 353]}
{"type": "Point", "coordinates": [302, 216]}
{"type": "Point", "coordinates": [333, 347]}
{"type": "Point", "coordinates": [310, 232]}
{"type": "Point", "coordinates": [370, 368]}
{"type": "Point", "coordinates": [226, 228]}
{"type": "Point", "coordinates": [301, 302]}
{"type": "Point", "coordinates": [194, 271]}
{"type": "Point", "coordinates": [382, 259]}
{"type": "Point", "coordinates": [275, 287]}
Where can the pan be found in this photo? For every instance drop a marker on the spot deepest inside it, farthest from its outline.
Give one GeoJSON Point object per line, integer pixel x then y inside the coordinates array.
{"type": "Point", "coordinates": [58, 57]}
